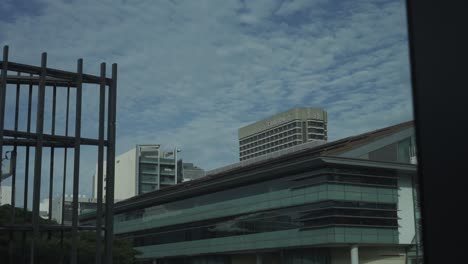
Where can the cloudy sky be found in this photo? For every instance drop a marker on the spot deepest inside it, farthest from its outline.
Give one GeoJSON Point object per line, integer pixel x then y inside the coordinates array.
{"type": "Point", "coordinates": [192, 72]}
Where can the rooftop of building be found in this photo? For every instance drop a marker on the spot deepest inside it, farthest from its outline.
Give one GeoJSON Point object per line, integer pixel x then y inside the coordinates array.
{"type": "Point", "coordinates": [281, 118]}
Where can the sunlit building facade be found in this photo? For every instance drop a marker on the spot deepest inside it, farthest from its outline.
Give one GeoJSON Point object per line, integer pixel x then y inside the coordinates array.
{"type": "Point", "coordinates": [147, 168]}
{"type": "Point", "coordinates": [281, 131]}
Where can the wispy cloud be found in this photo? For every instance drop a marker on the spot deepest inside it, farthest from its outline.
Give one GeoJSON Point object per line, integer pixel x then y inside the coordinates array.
{"type": "Point", "coordinates": [192, 72]}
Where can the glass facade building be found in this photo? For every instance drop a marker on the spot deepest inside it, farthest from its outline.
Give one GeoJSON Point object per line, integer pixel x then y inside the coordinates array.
{"type": "Point", "coordinates": [307, 207]}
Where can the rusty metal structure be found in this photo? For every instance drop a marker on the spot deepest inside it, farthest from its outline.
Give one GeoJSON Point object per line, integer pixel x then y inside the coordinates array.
{"type": "Point", "coordinates": [36, 80]}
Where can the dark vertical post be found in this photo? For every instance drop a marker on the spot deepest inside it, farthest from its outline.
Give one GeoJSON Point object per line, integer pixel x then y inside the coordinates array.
{"type": "Point", "coordinates": [2, 100]}
{"type": "Point", "coordinates": [13, 175]}
{"type": "Point", "coordinates": [64, 174]}
{"type": "Point", "coordinates": [26, 170]}
{"type": "Point", "coordinates": [38, 154]}
{"type": "Point", "coordinates": [76, 163]}
{"type": "Point", "coordinates": [102, 102]}
{"type": "Point", "coordinates": [52, 150]}
{"type": "Point", "coordinates": [416, 234]}
{"type": "Point", "coordinates": [110, 165]}
{"type": "Point", "coordinates": [2, 123]}
{"type": "Point", "coordinates": [12, 232]}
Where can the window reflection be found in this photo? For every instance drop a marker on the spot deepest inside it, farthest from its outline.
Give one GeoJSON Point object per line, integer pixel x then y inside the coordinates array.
{"type": "Point", "coordinates": [310, 216]}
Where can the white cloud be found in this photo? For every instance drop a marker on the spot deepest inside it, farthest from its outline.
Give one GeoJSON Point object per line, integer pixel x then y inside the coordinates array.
{"type": "Point", "coordinates": [289, 7]}
{"type": "Point", "coordinates": [192, 72]}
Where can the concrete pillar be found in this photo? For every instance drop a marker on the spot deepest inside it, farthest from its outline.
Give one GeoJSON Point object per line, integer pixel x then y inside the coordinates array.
{"type": "Point", "coordinates": [354, 254]}
{"type": "Point", "coordinates": [259, 259]}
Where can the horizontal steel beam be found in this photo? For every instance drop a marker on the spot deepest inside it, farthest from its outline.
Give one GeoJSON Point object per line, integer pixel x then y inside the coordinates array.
{"type": "Point", "coordinates": [54, 227]}
{"type": "Point", "coordinates": [20, 142]}
{"type": "Point", "coordinates": [24, 139]}
{"type": "Point", "coordinates": [48, 139]}
{"type": "Point", "coordinates": [70, 76]}
{"type": "Point", "coordinates": [49, 81]}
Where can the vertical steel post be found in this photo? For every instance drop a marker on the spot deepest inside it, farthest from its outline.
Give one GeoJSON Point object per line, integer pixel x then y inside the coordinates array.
{"type": "Point", "coordinates": [415, 207]}
{"type": "Point", "coordinates": [52, 152]}
{"type": "Point", "coordinates": [3, 86]}
{"type": "Point", "coordinates": [38, 153]}
{"type": "Point", "coordinates": [15, 148]}
{"type": "Point", "coordinates": [175, 166]}
{"type": "Point", "coordinates": [51, 177]}
{"type": "Point", "coordinates": [110, 165]}
{"type": "Point", "coordinates": [26, 170]}
{"type": "Point", "coordinates": [13, 175]}
{"type": "Point", "coordinates": [76, 163]}
{"type": "Point", "coordinates": [12, 219]}
{"type": "Point", "coordinates": [159, 168]}
{"type": "Point", "coordinates": [2, 100]}
{"type": "Point", "coordinates": [100, 181]}
{"type": "Point", "coordinates": [26, 167]}
{"type": "Point", "coordinates": [64, 174]}
{"type": "Point", "coordinates": [65, 155]}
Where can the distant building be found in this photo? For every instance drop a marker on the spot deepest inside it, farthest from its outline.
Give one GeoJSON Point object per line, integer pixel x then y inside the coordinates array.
{"type": "Point", "coordinates": [147, 168]}
{"type": "Point", "coordinates": [284, 130]}
{"type": "Point", "coordinates": [5, 195]}
{"type": "Point", "coordinates": [191, 172]}
{"type": "Point", "coordinates": [5, 190]}
{"type": "Point", "coordinates": [44, 208]}
{"type": "Point", "coordinates": [84, 205]}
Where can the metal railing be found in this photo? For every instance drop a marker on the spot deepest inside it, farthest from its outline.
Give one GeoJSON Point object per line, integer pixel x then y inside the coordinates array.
{"type": "Point", "coordinates": [18, 77]}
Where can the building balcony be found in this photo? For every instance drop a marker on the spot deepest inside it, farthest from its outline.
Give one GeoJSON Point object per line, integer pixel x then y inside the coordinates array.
{"type": "Point", "coordinates": [155, 161]}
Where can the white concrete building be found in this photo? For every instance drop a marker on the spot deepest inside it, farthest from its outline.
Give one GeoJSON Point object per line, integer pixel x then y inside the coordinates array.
{"type": "Point", "coordinates": [282, 131]}
{"type": "Point", "coordinates": [143, 169]}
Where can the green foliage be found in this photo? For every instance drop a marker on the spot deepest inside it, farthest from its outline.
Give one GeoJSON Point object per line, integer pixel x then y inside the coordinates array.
{"type": "Point", "coordinates": [49, 248]}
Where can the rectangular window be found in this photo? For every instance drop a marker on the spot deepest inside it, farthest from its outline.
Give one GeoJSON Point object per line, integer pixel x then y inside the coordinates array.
{"type": "Point", "coordinates": [315, 124]}
{"type": "Point", "coordinates": [316, 130]}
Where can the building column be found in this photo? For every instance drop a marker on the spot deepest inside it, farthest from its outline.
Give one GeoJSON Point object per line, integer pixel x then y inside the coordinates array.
{"type": "Point", "coordinates": [259, 259]}
{"type": "Point", "coordinates": [354, 254]}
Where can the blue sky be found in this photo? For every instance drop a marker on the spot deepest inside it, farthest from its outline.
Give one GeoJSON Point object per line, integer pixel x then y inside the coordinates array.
{"type": "Point", "coordinates": [192, 72]}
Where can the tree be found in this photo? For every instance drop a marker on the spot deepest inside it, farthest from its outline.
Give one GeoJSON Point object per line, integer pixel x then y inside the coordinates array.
{"type": "Point", "coordinates": [49, 249]}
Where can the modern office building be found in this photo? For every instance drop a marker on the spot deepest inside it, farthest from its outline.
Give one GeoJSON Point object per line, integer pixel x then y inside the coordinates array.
{"type": "Point", "coordinates": [284, 130]}
{"type": "Point", "coordinates": [348, 201]}
{"type": "Point", "coordinates": [143, 169]}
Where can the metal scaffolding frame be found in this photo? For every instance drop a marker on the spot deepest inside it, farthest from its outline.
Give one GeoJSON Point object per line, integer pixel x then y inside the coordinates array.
{"type": "Point", "coordinates": [42, 78]}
